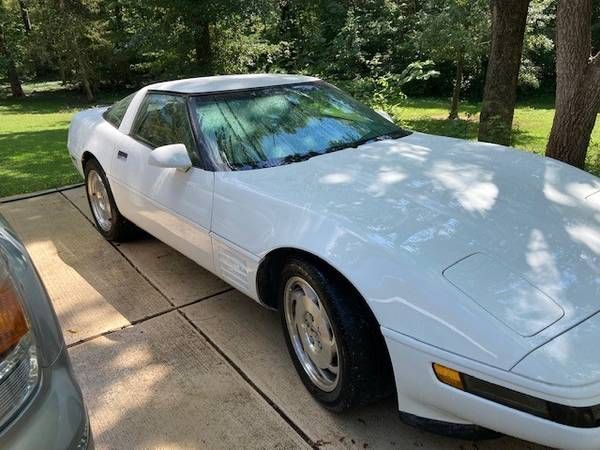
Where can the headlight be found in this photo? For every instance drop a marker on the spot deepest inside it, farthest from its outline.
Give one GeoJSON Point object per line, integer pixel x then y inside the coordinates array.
{"type": "Point", "coordinates": [18, 354]}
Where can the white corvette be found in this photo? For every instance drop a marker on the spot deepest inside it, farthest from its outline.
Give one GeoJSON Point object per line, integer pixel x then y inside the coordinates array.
{"type": "Point", "coordinates": [463, 276]}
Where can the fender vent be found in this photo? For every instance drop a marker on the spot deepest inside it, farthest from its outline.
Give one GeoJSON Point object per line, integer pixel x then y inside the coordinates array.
{"type": "Point", "coordinates": [232, 268]}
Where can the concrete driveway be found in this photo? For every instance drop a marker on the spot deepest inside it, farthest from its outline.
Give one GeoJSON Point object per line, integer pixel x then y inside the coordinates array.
{"type": "Point", "coordinates": [168, 355]}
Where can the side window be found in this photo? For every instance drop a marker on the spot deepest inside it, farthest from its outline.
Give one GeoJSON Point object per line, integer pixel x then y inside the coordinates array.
{"type": "Point", "coordinates": [162, 120]}
{"type": "Point", "coordinates": [116, 112]}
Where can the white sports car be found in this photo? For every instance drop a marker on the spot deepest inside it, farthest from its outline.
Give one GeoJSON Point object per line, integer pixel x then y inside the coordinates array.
{"type": "Point", "coordinates": [463, 276]}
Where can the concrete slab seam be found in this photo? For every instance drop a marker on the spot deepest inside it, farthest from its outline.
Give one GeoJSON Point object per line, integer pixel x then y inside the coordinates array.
{"type": "Point", "coordinates": [232, 364]}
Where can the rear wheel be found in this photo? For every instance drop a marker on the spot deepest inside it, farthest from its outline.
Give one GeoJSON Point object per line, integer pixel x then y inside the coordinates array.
{"type": "Point", "coordinates": [109, 221]}
{"type": "Point", "coordinates": [333, 340]}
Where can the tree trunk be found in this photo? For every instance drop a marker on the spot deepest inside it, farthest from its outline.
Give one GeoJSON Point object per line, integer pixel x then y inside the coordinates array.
{"type": "Point", "coordinates": [203, 47]}
{"type": "Point", "coordinates": [62, 72]}
{"type": "Point", "coordinates": [11, 70]}
{"type": "Point", "coordinates": [25, 16]}
{"type": "Point", "coordinates": [577, 83]}
{"type": "Point", "coordinates": [285, 19]}
{"type": "Point", "coordinates": [118, 13]}
{"type": "Point", "coordinates": [83, 73]}
{"type": "Point", "coordinates": [509, 18]}
{"type": "Point", "coordinates": [16, 87]}
{"type": "Point", "coordinates": [85, 80]}
{"type": "Point", "coordinates": [457, 87]}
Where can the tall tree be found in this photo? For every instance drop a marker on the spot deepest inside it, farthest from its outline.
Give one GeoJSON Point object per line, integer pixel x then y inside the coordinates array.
{"type": "Point", "coordinates": [577, 83]}
{"type": "Point", "coordinates": [196, 24]}
{"type": "Point", "coordinates": [454, 31]}
{"type": "Point", "coordinates": [509, 18]}
{"type": "Point", "coordinates": [74, 32]}
{"type": "Point", "coordinates": [7, 52]}
{"type": "Point", "coordinates": [203, 44]}
{"type": "Point", "coordinates": [25, 16]}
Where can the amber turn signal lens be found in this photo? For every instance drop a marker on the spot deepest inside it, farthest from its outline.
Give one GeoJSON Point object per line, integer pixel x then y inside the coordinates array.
{"type": "Point", "coordinates": [448, 376]}
{"type": "Point", "coordinates": [13, 325]}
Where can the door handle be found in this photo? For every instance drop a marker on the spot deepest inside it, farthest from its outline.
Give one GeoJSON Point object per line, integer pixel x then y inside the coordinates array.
{"type": "Point", "coordinates": [121, 155]}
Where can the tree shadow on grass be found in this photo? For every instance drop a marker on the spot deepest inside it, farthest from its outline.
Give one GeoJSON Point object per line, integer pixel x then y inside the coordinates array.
{"type": "Point", "coordinates": [35, 160]}
{"type": "Point", "coordinates": [520, 139]}
{"type": "Point", "coordinates": [463, 129]}
{"type": "Point", "coordinates": [527, 141]}
{"type": "Point", "coordinates": [51, 102]}
{"type": "Point", "coordinates": [469, 108]}
{"type": "Point", "coordinates": [592, 162]}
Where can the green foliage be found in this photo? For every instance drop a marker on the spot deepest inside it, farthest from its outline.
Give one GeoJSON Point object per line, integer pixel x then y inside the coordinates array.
{"type": "Point", "coordinates": [537, 61]}
{"type": "Point", "coordinates": [107, 43]}
{"type": "Point", "coordinates": [385, 91]}
{"type": "Point", "coordinates": [243, 53]}
{"type": "Point", "coordinates": [368, 42]}
{"type": "Point", "coordinates": [13, 33]}
{"type": "Point", "coordinates": [454, 29]}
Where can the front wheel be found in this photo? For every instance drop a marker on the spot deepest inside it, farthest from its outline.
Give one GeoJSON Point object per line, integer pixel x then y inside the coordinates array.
{"type": "Point", "coordinates": [109, 221]}
{"type": "Point", "coordinates": [331, 335]}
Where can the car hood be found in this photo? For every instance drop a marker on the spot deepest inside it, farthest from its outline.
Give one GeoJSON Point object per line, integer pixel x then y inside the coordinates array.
{"type": "Point", "coordinates": [435, 201]}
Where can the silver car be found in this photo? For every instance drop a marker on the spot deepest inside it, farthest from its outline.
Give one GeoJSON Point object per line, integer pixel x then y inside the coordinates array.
{"type": "Point", "coordinates": [41, 405]}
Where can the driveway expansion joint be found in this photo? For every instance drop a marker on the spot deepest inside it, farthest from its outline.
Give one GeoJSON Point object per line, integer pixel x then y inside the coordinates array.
{"type": "Point", "coordinates": [146, 318]}
{"type": "Point", "coordinates": [253, 385]}
{"type": "Point", "coordinates": [19, 197]}
{"type": "Point", "coordinates": [228, 360]}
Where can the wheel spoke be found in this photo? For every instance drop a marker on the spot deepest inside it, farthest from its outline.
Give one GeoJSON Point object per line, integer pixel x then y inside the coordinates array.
{"type": "Point", "coordinates": [298, 306]}
{"type": "Point", "coordinates": [311, 333]}
{"type": "Point", "coordinates": [99, 200]}
{"type": "Point", "coordinates": [310, 306]}
{"type": "Point", "coordinates": [327, 353]}
{"type": "Point", "coordinates": [333, 369]}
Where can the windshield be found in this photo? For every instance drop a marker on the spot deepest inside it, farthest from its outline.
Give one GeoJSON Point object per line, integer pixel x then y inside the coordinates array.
{"type": "Point", "coordinates": [285, 124]}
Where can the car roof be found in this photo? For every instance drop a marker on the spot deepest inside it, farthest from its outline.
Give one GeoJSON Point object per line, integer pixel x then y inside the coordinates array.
{"type": "Point", "coordinates": [222, 83]}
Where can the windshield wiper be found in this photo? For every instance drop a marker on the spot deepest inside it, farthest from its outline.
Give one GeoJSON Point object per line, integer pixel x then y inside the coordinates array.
{"type": "Point", "coordinates": [359, 142]}
{"type": "Point", "coordinates": [297, 157]}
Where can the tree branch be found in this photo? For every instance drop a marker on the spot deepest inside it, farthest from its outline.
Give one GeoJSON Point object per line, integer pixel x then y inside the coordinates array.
{"type": "Point", "coordinates": [595, 60]}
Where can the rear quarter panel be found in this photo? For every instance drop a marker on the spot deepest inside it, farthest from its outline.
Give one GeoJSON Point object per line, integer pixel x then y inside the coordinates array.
{"type": "Point", "coordinates": [89, 132]}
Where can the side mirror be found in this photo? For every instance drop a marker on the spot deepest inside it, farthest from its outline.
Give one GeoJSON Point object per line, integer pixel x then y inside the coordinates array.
{"type": "Point", "coordinates": [174, 156]}
{"type": "Point", "coordinates": [385, 115]}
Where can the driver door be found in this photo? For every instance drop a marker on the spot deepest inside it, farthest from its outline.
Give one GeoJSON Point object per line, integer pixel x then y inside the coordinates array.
{"type": "Point", "coordinates": [172, 205]}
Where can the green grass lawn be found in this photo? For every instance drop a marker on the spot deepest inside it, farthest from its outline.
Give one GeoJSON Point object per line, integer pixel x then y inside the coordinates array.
{"type": "Point", "coordinates": [531, 127]}
{"type": "Point", "coordinates": [33, 139]}
{"type": "Point", "coordinates": [33, 132]}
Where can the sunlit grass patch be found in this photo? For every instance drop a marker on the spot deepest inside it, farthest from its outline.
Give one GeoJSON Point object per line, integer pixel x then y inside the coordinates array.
{"type": "Point", "coordinates": [33, 138]}
{"type": "Point", "coordinates": [531, 127]}
{"type": "Point", "coordinates": [33, 132]}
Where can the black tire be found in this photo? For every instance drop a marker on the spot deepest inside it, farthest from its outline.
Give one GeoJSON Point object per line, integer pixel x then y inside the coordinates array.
{"type": "Point", "coordinates": [365, 373]}
{"type": "Point", "coordinates": [120, 228]}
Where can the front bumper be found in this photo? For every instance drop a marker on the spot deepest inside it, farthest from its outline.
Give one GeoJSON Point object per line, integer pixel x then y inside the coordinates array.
{"type": "Point", "coordinates": [54, 417]}
{"type": "Point", "coordinates": [420, 393]}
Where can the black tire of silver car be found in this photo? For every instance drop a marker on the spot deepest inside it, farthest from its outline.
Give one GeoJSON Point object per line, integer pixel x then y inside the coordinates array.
{"type": "Point", "coordinates": [109, 221]}
{"type": "Point", "coordinates": [332, 337]}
